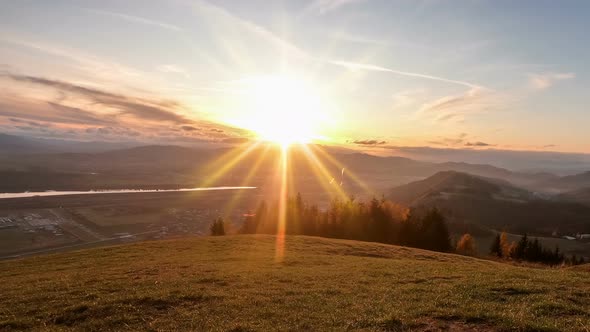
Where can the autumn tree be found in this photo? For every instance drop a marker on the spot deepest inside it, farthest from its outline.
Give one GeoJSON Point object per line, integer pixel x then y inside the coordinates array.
{"type": "Point", "coordinates": [466, 245]}
{"type": "Point", "coordinates": [506, 246]}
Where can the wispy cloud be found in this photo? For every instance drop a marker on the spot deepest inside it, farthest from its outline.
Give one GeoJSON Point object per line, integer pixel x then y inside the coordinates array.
{"type": "Point", "coordinates": [369, 142]}
{"type": "Point", "coordinates": [408, 97]}
{"type": "Point", "coordinates": [324, 6]}
{"type": "Point", "coordinates": [219, 14]}
{"type": "Point", "coordinates": [223, 17]}
{"type": "Point", "coordinates": [456, 107]}
{"type": "Point", "coordinates": [96, 69]}
{"type": "Point", "coordinates": [174, 69]}
{"type": "Point", "coordinates": [546, 80]}
{"type": "Point", "coordinates": [136, 19]}
{"type": "Point", "coordinates": [125, 105]}
{"type": "Point", "coordinates": [478, 144]}
{"type": "Point", "coordinates": [370, 67]}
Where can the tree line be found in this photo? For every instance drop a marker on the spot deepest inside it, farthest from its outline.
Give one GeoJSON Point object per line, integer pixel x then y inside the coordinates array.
{"type": "Point", "coordinates": [377, 220]}
{"type": "Point", "coordinates": [530, 251]}
{"type": "Point", "coordinates": [380, 220]}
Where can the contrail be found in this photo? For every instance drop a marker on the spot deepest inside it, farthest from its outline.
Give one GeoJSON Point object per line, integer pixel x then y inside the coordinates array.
{"type": "Point", "coordinates": [353, 65]}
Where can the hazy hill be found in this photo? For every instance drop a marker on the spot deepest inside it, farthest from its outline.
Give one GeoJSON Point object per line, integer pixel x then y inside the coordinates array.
{"type": "Point", "coordinates": [494, 203]}
{"type": "Point", "coordinates": [580, 195]}
{"type": "Point", "coordinates": [237, 284]}
{"type": "Point", "coordinates": [183, 166]}
{"type": "Point", "coordinates": [17, 144]}
{"type": "Point", "coordinates": [446, 185]}
{"type": "Point", "coordinates": [567, 183]}
{"type": "Point", "coordinates": [11, 144]}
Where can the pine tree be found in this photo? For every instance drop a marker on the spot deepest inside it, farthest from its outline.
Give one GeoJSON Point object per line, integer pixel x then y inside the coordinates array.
{"type": "Point", "coordinates": [521, 247]}
{"type": "Point", "coordinates": [434, 232]}
{"type": "Point", "coordinates": [217, 227]}
{"type": "Point", "coordinates": [496, 247]}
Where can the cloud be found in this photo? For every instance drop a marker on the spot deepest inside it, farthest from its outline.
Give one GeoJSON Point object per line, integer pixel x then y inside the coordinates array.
{"type": "Point", "coordinates": [408, 97]}
{"type": "Point", "coordinates": [94, 68]}
{"type": "Point", "coordinates": [477, 144]}
{"type": "Point", "coordinates": [324, 6]}
{"type": "Point", "coordinates": [113, 131]}
{"type": "Point", "coordinates": [355, 38]}
{"type": "Point", "coordinates": [546, 80]}
{"type": "Point", "coordinates": [458, 141]}
{"type": "Point", "coordinates": [29, 109]}
{"type": "Point", "coordinates": [174, 69]}
{"type": "Point", "coordinates": [189, 128]}
{"type": "Point", "coordinates": [235, 140]}
{"type": "Point", "coordinates": [474, 100]}
{"type": "Point", "coordinates": [136, 19]}
{"type": "Point", "coordinates": [450, 141]}
{"type": "Point", "coordinates": [125, 105]}
{"type": "Point", "coordinates": [27, 122]}
{"type": "Point", "coordinates": [224, 18]}
{"type": "Point", "coordinates": [369, 142]}
{"type": "Point", "coordinates": [370, 67]}
{"type": "Point", "coordinates": [75, 111]}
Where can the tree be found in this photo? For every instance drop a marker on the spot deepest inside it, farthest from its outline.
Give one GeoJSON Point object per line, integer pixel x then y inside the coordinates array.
{"type": "Point", "coordinates": [496, 247]}
{"type": "Point", "coordinates": [217, 228]}
{"type": "Point", "coordinates": [466, 245]}
{"type": "Point", "coordinates": [505, 245]}
{"type": "Point", "coordinates": [521, 248]}
{"type": "Point", "coordinates": [434, 232]}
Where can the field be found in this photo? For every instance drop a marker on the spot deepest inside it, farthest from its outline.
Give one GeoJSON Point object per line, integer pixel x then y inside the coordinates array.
{"type": "Point", "coordinates": [58, 223]}
{"type": "Point", "coordinates": [236, 283]}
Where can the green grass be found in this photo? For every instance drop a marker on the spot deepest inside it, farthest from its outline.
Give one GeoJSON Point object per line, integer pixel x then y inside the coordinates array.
{"type": "Point", "coordinates": [234, 284]}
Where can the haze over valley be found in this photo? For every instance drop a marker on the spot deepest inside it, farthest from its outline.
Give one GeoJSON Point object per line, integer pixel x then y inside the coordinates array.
{"type": "Point", "coordinates": [294, 165]}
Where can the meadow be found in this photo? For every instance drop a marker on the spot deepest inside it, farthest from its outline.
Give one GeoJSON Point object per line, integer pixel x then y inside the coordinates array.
{"type": "Point", "coordinates": [237, 283]}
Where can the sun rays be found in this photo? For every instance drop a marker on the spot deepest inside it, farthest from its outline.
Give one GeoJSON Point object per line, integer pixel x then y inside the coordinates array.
{"type": "Point", "coordinates": [280, 169]}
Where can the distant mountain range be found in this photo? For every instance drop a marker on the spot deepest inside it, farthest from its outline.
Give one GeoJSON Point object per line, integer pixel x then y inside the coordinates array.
{"type": "Point", "coordinates": [481, 194]}
{"type": "Point", "coordinates": [57, 164]}
{"type": "Point", "coordinates": [495, 203]}
{"type": "Point", "coordinates": [11, 144]}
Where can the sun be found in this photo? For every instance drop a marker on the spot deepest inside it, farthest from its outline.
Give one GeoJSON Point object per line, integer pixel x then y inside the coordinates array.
{"type": "Point", "coordinates": [283, 109]}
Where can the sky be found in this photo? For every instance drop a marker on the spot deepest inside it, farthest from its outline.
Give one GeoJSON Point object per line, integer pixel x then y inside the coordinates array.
{"type": "Point", "coordinates": [375, 75]}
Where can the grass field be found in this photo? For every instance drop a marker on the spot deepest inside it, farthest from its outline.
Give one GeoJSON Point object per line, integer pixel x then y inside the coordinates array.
{"type": "Point", "coordinates": [234, 283]}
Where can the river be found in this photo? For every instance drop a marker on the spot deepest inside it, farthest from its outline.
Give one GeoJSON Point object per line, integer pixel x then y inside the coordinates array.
{"type": "Point", "coordinates": [116, 191]}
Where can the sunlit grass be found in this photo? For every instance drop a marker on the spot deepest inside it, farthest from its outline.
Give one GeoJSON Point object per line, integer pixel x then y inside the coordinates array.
{"type": "Point", "coordinates": [234, 283]}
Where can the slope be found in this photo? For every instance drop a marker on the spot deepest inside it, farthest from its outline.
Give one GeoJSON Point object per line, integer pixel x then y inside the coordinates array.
{"type": "Point", "coordinates": [580, 196]}
{"type": "Point", "coordinates": [494, 203]}
{"type": "Point", "coordinates": [235, 284]}
{"type": "Point", "coordinates": [567, 183]}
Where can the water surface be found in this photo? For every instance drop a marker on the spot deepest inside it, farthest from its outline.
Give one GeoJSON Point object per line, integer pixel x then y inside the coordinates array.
{"type": "Point", "coordinates": [116, 191]}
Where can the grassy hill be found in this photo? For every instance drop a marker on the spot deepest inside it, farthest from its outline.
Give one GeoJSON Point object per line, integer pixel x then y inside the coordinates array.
{"type": "Point", "coordinates": [494, 203]}
{"type": "Point", "coordinates": [235, 283]}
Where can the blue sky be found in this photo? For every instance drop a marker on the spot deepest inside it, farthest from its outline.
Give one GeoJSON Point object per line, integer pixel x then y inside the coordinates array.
{"type": "Point", "coordinates": [389, 74]}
